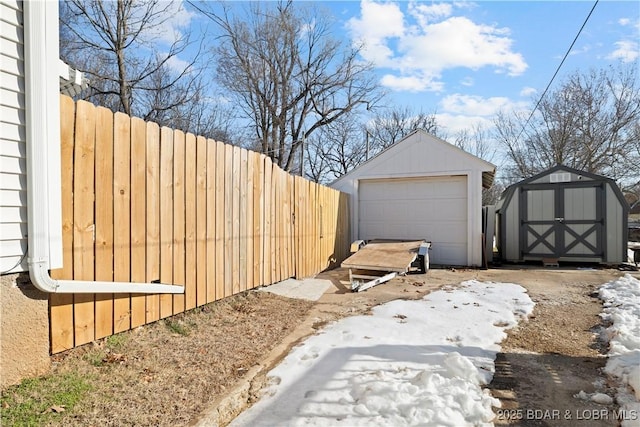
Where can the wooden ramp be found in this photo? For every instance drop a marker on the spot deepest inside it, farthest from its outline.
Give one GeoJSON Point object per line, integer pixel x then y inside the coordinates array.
{"type": "Point", "coordinates": [393, 257]}
{"type": "Point", "coordinates": [381, 255]}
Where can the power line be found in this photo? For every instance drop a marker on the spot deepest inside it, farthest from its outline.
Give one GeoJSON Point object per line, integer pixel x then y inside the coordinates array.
{"type": "Point", "coordinates": [557, 70]}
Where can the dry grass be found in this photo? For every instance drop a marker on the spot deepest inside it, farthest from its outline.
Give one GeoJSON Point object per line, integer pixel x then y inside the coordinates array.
{"type": "Point", "coordinates": [166, 373]}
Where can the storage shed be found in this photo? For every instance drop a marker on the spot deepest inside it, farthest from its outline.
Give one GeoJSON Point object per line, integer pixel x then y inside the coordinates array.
{"type": "Point", "coordinates": [422, 187]}
{"type": "Point", "coordinates": [562, 214]}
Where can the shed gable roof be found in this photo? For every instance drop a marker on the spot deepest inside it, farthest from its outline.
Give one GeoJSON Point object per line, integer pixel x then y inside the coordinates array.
{"type": "Point", "coordinates": [418, 153]}
{"type": "Point", "coordinates": [507, 194]}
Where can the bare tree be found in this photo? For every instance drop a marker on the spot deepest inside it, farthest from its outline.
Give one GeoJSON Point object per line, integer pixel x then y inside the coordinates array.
{"type": "Point", "coordinates": [589, 123]}
{"type": "Point", "coordinates": [287, 74]}
{"type": "Point", "coordinates": [477, 141]}
{"type": "Point", "coordinates": [117, 45]}
{"type": "Point", "coordinates": [335, 149]}
{"type": "Point", "coordinates": [392, 124]}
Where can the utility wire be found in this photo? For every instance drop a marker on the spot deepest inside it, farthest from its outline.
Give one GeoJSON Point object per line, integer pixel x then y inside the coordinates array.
{"type": "Point", "coordinates": [557, 70]}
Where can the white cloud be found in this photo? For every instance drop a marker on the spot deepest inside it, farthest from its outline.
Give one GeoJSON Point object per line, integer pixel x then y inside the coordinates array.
{"type": "Point", "coordinates": [172, 22]}
{"type": "Point", "coordinates": [454, 123]}
{"type": "Point", "coordinates": [472, 105]}
{"type": "Point", "coordinates": [419, 46]}
{"type": "Point", "coordinates": [411, 83]}
{"type": "Point", "coordinates": [584, 49]}
{"type": "Point", "coordinates": [528, 91]}
{"type": "Point", "coordinates": [459, 112]}
{"type": "Point", "coordinates": [425, 13]}
{"type": "Point", "coordinates": [467, 81]}
{"type": "Point", "coordinates": [625, 51]}
{"type": "Point", "coordinates": [177, 64]}
{"type": "Point", "coordinates": [378, 23]}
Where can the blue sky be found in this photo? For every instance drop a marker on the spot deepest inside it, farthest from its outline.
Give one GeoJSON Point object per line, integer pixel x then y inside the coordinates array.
{"type": "Point", "coordinates": [468, 60]}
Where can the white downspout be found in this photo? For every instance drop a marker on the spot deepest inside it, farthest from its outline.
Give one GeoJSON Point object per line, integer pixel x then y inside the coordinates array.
{"type": "Point", "coordinates": [41, 85]}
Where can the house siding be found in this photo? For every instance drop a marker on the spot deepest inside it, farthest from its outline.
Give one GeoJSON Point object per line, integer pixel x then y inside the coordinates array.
{"type": "Point", "coordinates": [13, 165]}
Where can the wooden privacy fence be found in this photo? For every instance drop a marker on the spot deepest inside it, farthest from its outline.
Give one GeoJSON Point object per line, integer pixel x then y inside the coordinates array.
{"type": "Point", "coordinates": [143, 203]}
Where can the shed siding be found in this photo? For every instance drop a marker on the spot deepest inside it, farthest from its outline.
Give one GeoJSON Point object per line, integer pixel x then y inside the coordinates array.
{"type": "Point", "coordinates": [512, 230]}
{"type": "Point", "coordinates": [561, 176]}
{"type": "Point", "coordinates": [13, 180]}
{"type": "Point", "coordinates": [615, 215]}
{"type": "Point", "coordinates": [583, 200]}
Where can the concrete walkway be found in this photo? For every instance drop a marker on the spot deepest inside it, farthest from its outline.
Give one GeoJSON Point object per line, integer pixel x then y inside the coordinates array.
{"type": "Point", "coordinates": [309, 289]}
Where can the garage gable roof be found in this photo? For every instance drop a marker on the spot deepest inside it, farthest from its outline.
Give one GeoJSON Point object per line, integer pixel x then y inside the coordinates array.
{"type": "Point", "coordinates": [421, 153]}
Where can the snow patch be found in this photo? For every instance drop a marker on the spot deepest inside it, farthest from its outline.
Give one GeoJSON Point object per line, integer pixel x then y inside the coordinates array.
{"type": "Point", "coordinates": [621, 300]}
{"type": "Point", "coordinates": [601, 398]}
{"type": "Point", "coordinates": [420, 362]}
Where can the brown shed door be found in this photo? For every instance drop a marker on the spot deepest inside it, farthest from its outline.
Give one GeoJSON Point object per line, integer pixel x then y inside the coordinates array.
{"type": "Point", "coordinates": [562, 221]}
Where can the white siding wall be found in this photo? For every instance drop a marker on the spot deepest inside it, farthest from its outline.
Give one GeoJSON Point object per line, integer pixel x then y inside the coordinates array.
{"type": "Point", "coordinates": [421, 155]}
{"type": "Point", "coordinates": [13, 181]}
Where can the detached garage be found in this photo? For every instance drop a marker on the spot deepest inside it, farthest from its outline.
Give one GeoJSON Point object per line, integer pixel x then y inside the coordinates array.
{"type": "Point", "coordinates": [563, 214]}
{"type": "Point", "coordinates": [421, 188]}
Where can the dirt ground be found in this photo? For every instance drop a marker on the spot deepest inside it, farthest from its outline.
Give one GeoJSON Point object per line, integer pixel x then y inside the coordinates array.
{"type": "Point", "coordinates": [189, 370]}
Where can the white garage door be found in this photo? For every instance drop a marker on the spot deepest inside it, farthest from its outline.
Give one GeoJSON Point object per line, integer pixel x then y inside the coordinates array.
{"type": "Point", "coordinates": [434, 209]}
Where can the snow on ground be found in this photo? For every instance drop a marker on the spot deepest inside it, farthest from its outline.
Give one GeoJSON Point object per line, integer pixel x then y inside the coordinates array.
{"type": "Point", "coordinates": [419, 362]}
{"type": "Point", "coordinates": [622, 308]}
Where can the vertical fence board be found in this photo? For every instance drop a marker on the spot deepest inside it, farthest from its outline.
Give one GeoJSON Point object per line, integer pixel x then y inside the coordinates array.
{"type": "Point", "coordinates": [286, 232]}
{"type": "Point", "coordinates": [61, 305]}
{"type": "Point", "coordinates": [202, 266]}
{"type": "Point", "coordinates": [279, 214]}
{"type": "Point", "coordinates": [178, 217]}
{"type": "Point", "coordinates": [258, 203]}
{"type": "Point", "coordinates": [304, 193]}
{"type": "Point", "coordinates": [242, 219]}
{"type": "Point", "coordinates": [325, 208]}
{"type": "Point", "coordinates": [221, 224]}
{"type": "Point", "coordinates": [235, 212]}
{"type": "Point", "coordinates": [249, 221]}
{"type": "Point", "coordinates": [296, 224]}
{"type": "Point", "coordinates": [83, 218]}
{"type": "Point", "coordinates": [104, 219]}
{"type": "Point", "coordinates": [300, 225]}
{"type": "Point", "coordinates": [228, 220]}
{"type": "Point", "coordinates": [311, 227]}
{"type": "Point", "coordinates": [153, 217]}
{"type": "Point", "coordinates": [266, 233]}
{"type": "Point", "coordinates": [138, 217]}
{"type": "Point", "coordinates": [122, 218]}
{"type": "Point", "coordinates": [315, 244]}
{"type": "Point", "coordinates": [283, 207]}
{"type": "Point", "coordinates": [294, 243]}
{"type": "Point", "coordinates": [210, 201]}
{"type": "Point", "coordinates": [308, 227]}
{"type": "Point", "coordinates": [275, 216]}
{"type": "Point", "coordinates": [305, 227]}
{"type": "Point", "coordinates": [345, 224]}
{"type": "Point", "coordinates": [166, 218]}
{"type": "Point", "coordinates": [190, 211]}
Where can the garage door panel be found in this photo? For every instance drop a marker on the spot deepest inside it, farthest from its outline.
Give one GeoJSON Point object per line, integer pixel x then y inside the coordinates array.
{"type": "Point", "coordinates": [449, 232]}
{"type": "Point", "coordinates": [376, 210]}
{"type": "Point", "coordinates": [384, 230]}
{"type": "Point", "coordinates": [434, 209]}
{"type": "Point", "coordinates": [452, 188]}
{"type": "Point", "coordinates": [448, 253]}
{"type": "Point", "coordinates": [440, 231]}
